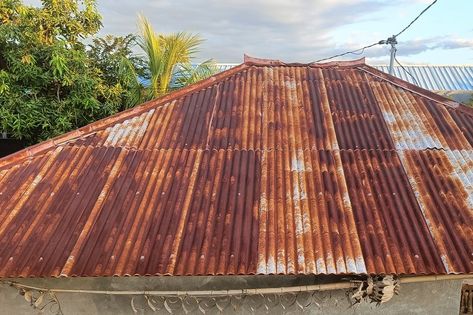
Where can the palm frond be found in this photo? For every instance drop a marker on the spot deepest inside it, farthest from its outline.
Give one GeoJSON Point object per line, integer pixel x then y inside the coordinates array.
{"type": "Point", "coordinates": [152, 45]}
{"type": "Point", "coordinates": [189, 74]}
{"type": "Point", "coordinates": [164, 52]}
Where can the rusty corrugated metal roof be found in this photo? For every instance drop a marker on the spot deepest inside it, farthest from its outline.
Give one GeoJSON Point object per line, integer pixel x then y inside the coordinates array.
{"type": "Point", "coordinates": [267, 168]}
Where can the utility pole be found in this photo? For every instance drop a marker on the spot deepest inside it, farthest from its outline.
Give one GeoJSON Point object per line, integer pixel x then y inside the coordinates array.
{"type": "Point", "coordinates": [390, 41]}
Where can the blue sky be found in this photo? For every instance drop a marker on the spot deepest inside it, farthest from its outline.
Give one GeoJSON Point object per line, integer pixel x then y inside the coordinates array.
{"type": "Point", "coordinates": [303, 30]}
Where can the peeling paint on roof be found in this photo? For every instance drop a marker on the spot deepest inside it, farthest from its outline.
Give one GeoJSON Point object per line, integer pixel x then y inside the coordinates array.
{"type": "Point", "coordinates": [267, 168]}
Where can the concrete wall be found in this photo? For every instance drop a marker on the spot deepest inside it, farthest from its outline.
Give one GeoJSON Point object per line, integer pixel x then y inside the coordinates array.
{"type": "Point", "coordinates": [441, 297]}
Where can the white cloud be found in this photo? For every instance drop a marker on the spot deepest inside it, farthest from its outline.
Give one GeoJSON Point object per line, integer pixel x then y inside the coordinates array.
{"type": "Point", "coordinates": [295, 30]}
{"type": "Point", "coordinates": [290, 30]}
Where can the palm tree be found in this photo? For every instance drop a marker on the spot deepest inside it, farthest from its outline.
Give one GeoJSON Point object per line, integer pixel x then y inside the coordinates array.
{"type": "Point", "coordinates": [171, 55]}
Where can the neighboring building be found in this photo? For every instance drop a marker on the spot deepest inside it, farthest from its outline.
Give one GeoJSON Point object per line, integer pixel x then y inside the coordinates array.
{"type": "Point", "coordinates": [290, 185]}
{"type": "Point", "coordinates": [455, 82]}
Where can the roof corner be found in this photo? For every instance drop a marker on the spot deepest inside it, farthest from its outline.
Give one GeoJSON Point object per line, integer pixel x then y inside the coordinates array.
{"type": "Point", "coordinates": [248, 60]}
{"type": "Point", "coordinates": [341, 63]}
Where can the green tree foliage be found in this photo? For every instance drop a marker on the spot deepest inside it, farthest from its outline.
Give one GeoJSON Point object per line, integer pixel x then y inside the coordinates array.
{"type": "Point", "coordinates": [120, 68]}
{"type": "Point", "coordinates": [50, 82]}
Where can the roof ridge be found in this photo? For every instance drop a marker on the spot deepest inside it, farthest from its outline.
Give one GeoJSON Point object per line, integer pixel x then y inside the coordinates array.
{"type": "Point", "coordinates": [445, 101]}
{"type": "Point", "coordinates": [254, 61]}
{"type": "Point", "coordinates": [116, 118]}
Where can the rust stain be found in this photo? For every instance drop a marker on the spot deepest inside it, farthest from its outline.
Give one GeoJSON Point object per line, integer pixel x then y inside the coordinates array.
{"type": "Point", "coordinates": [357, 118]}
{"type": "Point", "coordinates": [442, 183]}
{"type": "Point", "coordinates": [268, 168]}
{"type": "Point", "coordinates": [112, 175]}
{"type": "Point", "coordinates": [178, 236]}
{"type": "Point", "coordinates": [416, 123]}
{"type": "Point", "coordinates": [464, 123]}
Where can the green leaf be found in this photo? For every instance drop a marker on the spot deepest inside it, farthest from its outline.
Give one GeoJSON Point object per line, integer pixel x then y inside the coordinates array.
{"type": "Point", "coordinates": [58, 65]}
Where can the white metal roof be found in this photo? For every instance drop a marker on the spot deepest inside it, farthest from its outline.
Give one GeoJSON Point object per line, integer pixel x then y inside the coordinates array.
{"type": "Point", "coordinates": [436, 78]}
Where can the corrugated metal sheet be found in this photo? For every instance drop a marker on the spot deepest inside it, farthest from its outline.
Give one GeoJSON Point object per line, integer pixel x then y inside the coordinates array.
{"type": "Point", "coordinates": [430, 77]}
{"type": "Point", "coordinates": [267, 168]}
{"type": "Point", "coordinates": [435, 78]}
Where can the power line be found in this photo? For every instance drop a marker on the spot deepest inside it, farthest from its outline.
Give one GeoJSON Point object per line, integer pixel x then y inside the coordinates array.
{"type": "Point", "coordinates": [391, 40]}
{"type": "Point", "coordinates": [405, 70]}
{"type": "Point", "coordinates": [355, 52]}
{"type": "Point", "coordinates": [417, 17]}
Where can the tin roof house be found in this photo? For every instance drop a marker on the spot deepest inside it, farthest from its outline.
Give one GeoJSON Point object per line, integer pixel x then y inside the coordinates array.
{"type": "Point", "coordinates": [257, 189]}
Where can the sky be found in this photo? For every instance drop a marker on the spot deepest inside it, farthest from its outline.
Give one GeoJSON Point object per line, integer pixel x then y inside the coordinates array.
{"type": "Point", "coordinates": [304, 30]}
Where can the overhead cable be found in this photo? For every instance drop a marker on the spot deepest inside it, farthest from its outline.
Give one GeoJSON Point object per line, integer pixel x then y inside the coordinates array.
{"type": "Point", "coordinates": [381, 42]}
{"type": "Point", "coordinates": [418, 16]}
{"type": "Point", "coordinates": [355, 52]}
{"type": "Point", "coordinates": [405, 70]}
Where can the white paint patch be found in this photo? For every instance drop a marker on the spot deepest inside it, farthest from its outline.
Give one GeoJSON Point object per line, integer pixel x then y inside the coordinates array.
{"type": "Point", "coordinates": [281, 266]}
{"type": "Point", "coordinates": [445, 263]}
{"type": "Point", "coordinates": [344, 192]}
{"type": "Point", "coordinates": [389, 117]}
{"type": "Point", "coordinates": [299, 227]}
{"type": "Point", "coordinates": [320, 263]}
{"type": "Point", "coordinates": [290, 84]}
{"type": "Point", "coordinates": [418, 140]}
{"type": "Point", "coordinates": [360, 265]}
{"type": "Point", "coordinates": [298, 194]}
{"type": "Point", "coordinates": [462, 163]}
{"type": "Point", "coordinates": [334, 143]}
{"type": "Point", "coordinates": [263, 206]}
{"type": "Point", "coordinates": [261, 268]}
{"type": "Point", "coordinates": [407, 130]}
{"type": "Point", "coordinates": [125, 131]}
{"type": "Point", "coordinates": [303, 195]}
{"type": "Point", "coordinates": [145, 124]}
{"type": "Point", "coordinates": [36, 180]}
{"type": "Point", "coordinates": [295, 192]}
{"type": "Point", "coordinates": [271, 265]}
{"type": "Point", "coordinates": [121, 133]}
{"type": "Point", "coordinates": [306, 222]}
{"type": "Point", "coordinates": [301, 220]}
{"type": "Point", "coordinates": [351, 266]}
{"type": "Point", "coordinates": [300, 257]}
{"type": "Point", "coordinates": [262, 211]}
{"type": "Point", "coordinates": [111, 134]}
{"type": "Point", "coordinates": [330, 264]}
{"type": "Point", "coordinates": [297, 164]}
{"type": "Point", "coordinates": [341, 265]}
